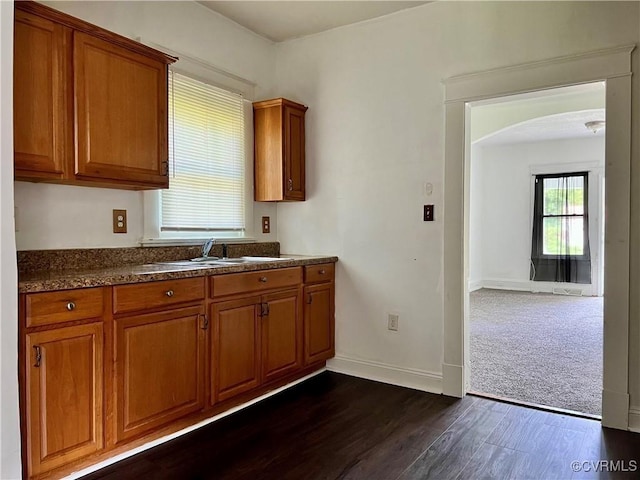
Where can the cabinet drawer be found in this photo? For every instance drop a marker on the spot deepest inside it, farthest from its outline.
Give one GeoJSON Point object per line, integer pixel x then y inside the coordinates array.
{"type": "Point", "coordinates": [319, 273]}
{"type": "Point", "coordinates": [235, 283]}
{"type": "Point", "coordinates": [63, 306]}
{"type": "Point", "coordinates": [145, 296]}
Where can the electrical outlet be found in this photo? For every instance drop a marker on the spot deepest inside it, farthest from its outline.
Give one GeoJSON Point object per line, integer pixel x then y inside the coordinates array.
{"type": "Point", "coordinates": [119, 221]}
{"type": "Point", "coordinates": [266, 224]}
{"type": "Point", "coordinates": [393, 322]}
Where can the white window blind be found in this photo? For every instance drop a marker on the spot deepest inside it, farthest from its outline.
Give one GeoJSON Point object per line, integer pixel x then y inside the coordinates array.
{"type": "Point", "coordinates": [206, 159]}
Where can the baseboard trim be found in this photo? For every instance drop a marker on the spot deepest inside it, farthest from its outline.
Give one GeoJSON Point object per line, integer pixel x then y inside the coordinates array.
{"type": "Point", "coordinates": [385, 373]}
{"type": "Point", "coordinates": [531, 286]}
{"type": "Point", "coordinates": [453, 380]}
{"type": "Point", "coordinates": [634, 419]}
{"type": "Point", "coordinates": [615, 410]}
{"type": "Point", "coordinates": [475, 285]}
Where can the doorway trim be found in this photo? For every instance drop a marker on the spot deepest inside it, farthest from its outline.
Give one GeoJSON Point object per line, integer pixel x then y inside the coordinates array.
{"type": "Point", "coordinates": [614, 67]}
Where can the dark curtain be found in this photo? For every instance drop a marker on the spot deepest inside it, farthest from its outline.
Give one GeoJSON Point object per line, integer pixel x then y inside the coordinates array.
{"type": "Point", "coordinates": [560, 247]}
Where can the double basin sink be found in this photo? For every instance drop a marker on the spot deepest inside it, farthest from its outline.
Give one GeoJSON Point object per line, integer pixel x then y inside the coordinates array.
{"type": "Point", "coordinates": [215, 261]}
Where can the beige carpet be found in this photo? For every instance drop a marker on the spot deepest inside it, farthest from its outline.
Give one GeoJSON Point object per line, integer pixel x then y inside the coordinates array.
{"type": "Point", "coordinates": [538, 348]}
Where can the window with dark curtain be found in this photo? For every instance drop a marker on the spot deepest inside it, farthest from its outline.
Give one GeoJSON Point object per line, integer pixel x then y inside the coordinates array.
{"type": "Point", "coordinates": [560, 247]}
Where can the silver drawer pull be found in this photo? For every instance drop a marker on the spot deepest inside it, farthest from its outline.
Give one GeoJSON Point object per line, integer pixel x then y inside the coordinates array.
{"type": "Point", "coordinates": [263, 279]}
{"type": "Point", "coordinates": [169, 293]}
{"type": "Point", "coordinates": [71, 306]}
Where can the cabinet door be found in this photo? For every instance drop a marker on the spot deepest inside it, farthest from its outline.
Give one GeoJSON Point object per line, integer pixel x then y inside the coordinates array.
{"type": "Point", "coordinates": [235, 365]}
{"type": "Point", "coordinates": [159, 369]}
{"type": "Point", "coordinates": [121, 109]}
{"type": "Point", "coordinates": [319, 323]}
{"type": "Point", "coordinates": [294, 178]}
{"type": "Point", "coordinates": [64, 411]}
{"type": "Point", "coordinates": [281, 334]}
{"type": "Point", "coordinates": [42, 113]}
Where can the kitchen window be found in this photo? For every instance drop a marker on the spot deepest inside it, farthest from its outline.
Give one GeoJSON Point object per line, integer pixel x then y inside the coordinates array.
{"type": "Point", "coordinates": [209, 172]}
{"type": "Point", "coordinates": [206, 159]}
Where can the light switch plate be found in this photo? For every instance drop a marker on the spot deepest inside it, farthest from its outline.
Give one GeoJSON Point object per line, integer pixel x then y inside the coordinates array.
{"type": "Point", "coordinates": [428, 213]}
{"type": "Point", "coordinates": [119, 221]}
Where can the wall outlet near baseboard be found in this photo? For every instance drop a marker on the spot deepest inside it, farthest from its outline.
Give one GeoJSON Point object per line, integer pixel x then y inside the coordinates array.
{"type": "Point", "coordinates": [393, 322]}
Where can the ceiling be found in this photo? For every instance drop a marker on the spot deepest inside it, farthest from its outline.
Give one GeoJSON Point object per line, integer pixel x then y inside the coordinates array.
{"type": "Point", "coordinates": [551, 127]}
{"type": "Point", "coordinates": [279, 21]}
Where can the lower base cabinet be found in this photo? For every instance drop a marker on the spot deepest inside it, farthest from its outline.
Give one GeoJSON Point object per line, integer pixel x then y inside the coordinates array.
{"type": "Point", "coordinates": [281, 334]}
{"type": "Point", "coordinates": [162, 361]}
{"type": "Point", "coordinates": [256, 340]}
{"type": "Point", "coordinates": [235, 348]}
{"type": "Point", "coordinates": [319, 343]}
{"type": "Point", "coordinates": [159, 362]}
{"type": "Point", "coordinates": [64, 408]}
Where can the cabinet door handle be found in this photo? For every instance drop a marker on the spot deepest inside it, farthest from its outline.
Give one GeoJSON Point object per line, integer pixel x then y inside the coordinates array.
{"type": "Point", "coordinates": [290, 184]}
{"type": "Point", "coordinates": [169, 293]}
{"type": "Point", "coordinates": [322, 272]}
{"type": "Point", "coordinates": [263, 279]}
{"type": "Point", "coordinates": [165, 168]}
{"type": "Point", "coordinates": [264, 310]}
{"type": "Point", "coordinates": [38, 355]}
{"type": "Point", "coordinates": [71, 306]}
{"type": "Point", "coordinates": [309, 299]}
{"type": "Point", "coordinates": [266, 314]}
{"type": "Point", "coordinates": [205, 322]}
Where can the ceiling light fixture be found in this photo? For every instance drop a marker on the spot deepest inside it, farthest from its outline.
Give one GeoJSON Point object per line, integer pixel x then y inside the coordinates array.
{"type": "Point", "coordinates": [595, 125]}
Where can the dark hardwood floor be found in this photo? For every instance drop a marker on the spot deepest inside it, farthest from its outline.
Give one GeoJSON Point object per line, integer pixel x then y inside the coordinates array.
{"type": "Point", "coordinates": [339, 427]}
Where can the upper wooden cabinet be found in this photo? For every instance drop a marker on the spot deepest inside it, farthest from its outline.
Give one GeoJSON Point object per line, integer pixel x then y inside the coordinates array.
{"type": "Point", "coordinates": [121, 109]}
{"type": "Point", "coordinates": [90, 106]}
{"type": "Point", "coordinates": [43, 105]}
{"type": "Point", "coordinates": [279, 160]}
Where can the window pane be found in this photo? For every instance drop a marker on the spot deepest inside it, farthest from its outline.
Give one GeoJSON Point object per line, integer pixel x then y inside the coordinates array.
{"type": "Point", "coordinates": [206, 158]}
{"type": "Point", "coordinates": [563, 236]}
{"type": "Point", "coordinates": [563, 195]}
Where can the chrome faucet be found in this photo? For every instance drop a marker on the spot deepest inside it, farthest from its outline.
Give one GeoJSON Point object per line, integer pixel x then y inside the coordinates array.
{"type": "Point", "coordinates": [206, 248]}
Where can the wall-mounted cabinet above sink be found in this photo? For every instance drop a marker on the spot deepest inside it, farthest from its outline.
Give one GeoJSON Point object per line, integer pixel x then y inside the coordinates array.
{"type": "Point", "coordinates": [90, 106]}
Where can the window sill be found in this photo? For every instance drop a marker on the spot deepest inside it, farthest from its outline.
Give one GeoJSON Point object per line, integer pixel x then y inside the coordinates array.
{"type": "Point", "coordinates": [176, 242]}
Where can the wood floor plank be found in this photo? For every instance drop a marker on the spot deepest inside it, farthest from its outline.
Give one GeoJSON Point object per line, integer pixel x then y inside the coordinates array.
{"type": "Point", "coordinates": [564, 446]}
{"type": "Point", "coordinates": [449, 455]}
{"type": "Point", "coordinates": [339, 427]}
{"type": "Point", "coordinates": [491, 462]}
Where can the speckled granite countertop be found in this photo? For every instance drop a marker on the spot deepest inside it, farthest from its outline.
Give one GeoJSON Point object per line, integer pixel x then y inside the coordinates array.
{"type": "Point", "coordinates": [49, 280]}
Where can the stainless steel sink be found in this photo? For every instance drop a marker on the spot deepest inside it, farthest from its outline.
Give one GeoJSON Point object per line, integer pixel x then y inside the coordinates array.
{"type": "Point", "coordinates": [188, 263]}
{"type": "Point", "coordinates": [240, 260]}
{"type": "Point", "coordinates": [204, 262]}
{"type": "Point", "coordinates": [264, 259]}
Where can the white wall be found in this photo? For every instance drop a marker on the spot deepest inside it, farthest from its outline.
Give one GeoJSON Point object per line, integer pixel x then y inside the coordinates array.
{"type": "Point", "coordinates": [503, 214]}
{"type": "Point", "coordinates": [59, 216]}
{"type": "Point", "coordinates": [375, 137]}
{"type": "Point", "coordinates": [10, 467]}
{"type": "Point", "coordinates": [476, 218]}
